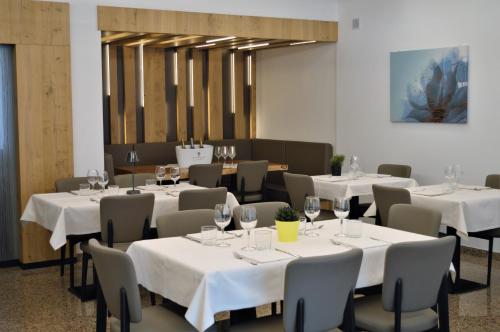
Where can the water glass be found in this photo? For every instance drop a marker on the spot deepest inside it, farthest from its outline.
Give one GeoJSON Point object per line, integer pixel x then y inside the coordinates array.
{"type": "Point", "coordinates": [103, 180]}
{"type": "Point", "coordinates": [303, 222]}
{"type": "Point", "coordinates": [312, 210]}
{"type": "Point", "coordinates": [222, 218]}
{"type": "Point", "coordinates": [248, 221]}
{"type": "Point", "coordinates": [263, 239]}
{"type": "Point", "coordinates": [208, 235]}
{"type": "Point", "coordinates": [150, 183]}
{"type": "Point", "coordinates": [114, 189]}
{"type": "Point", "coordinates": [353, 228]}
{"type": "Point", "coordinates": [160, 173]}
{"type": "Point", "coordinates": [341, 209]}
{"type": "Point", "coordinates": [84, 188]}
{"type": "Point", "coordinates": [92, 177]}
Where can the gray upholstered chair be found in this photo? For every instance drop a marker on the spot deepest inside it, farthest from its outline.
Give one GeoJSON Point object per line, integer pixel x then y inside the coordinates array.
{"type": "Point", "coordinates": [119, 292]}
{"type": "Point", "coordinates": [250, 180]}
{"type": "Point", "coordinates": [414, 219]}
{"type": "Point", "coordinates": [298, 186]}
{"type": "Point", "coordinates": [318, 295]}
{"type": "Point", "coordinates": [109, 167]}
{"type": "Point", "coordinates": [402, 171]}
{"type": "Point", "coordinates": [206, 175]}
{"type": "Point", "coordinates": [415, 280]}
{"type": "Point", "coordinates": [69, 184]}
{"type": "Point", "coordinates": [125, 180]}
{"type": "Point", "coordinates": [183, 222]}
{"type": "Point", "coordinates": [385, 197]}
{"type": "Point", "coordinates": [202, 198]}
{"type": "Point", "coordinates": [266, 212]}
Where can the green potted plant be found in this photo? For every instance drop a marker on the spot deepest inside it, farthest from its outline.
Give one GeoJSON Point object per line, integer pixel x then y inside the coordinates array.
{"type": "Point", "coordinates": [287, 224]}
{"type": "Point", "coordinates": [336, 164]}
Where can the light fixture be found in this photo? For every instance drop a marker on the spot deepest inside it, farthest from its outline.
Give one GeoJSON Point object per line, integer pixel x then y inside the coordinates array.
{"type": "Point", "coordinates": [220, 39]}
{"type": "Point", "coordinates": [191, 83]}
{"type": "Point", "coordinates": [252, 46]}
{"type": "Point", "coordinates": [249, 70]}
{"type": "Point", "coordinates": [133, 158]}
{"type": "Point", "coordinates": [303, 42]}
{"type": "Point", "coordinates": [176, 74]}
{"type": "Point", "coordinates": [141, 75]}
{"type": "Point", "coordinates": [233, 85]}
{"type": "Point", "coordinates": [205, 45]}
{"type": "Point", "coordinates": [106, 71]}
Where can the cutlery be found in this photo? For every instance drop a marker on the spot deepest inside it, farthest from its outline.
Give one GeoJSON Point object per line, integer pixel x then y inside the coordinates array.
{"type": "Point", "coordinates": [379, 240]}
{"type": "Point", "coordinates": [191, 239]}
{"type": "Point", "coordinates": [287, 252]}
{"type": "Point", "coordinates": [238, 256]}
{"type": "Point", "coordinates": [337, 243]}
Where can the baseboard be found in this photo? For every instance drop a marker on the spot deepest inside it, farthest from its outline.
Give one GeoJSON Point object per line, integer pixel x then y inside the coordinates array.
{"type": "Point", "coordinates": [37, 265]}
{"type": "Point", "coordinates": [9, 263]}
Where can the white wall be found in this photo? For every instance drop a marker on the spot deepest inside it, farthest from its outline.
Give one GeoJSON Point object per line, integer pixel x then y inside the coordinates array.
{"type": "Point", "coordinates": [86, 56]}
{"type": "Point", "coordinates": [363, 124]}
{"type": "Point", "coordinates": [296, 93]}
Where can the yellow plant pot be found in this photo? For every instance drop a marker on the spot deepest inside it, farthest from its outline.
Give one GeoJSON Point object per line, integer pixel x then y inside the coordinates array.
{"type": "Point", "coordinates": [288, 231]}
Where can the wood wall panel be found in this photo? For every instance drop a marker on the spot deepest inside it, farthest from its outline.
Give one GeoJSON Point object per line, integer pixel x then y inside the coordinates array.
{"type": "Point", "coordinates": [175, 22]}
{"type": "Point", "coordinates": [130, 95]}
{"type": "Point", "coordinates": [115, 119]}
{"type": "Point", "coordinates": [181, 95]}
{"type": "Point", "coordinates": [215, 111]}
{"type": "Point", "coordinates": [240, 128]}
{"type": "Point", "coordinates": [199, 100]}
{"type": "Point", "coordinates": [45, 132]}
{"type": "Point", "coordinates": [253, 97]}
{"type": "Point", "coordinates": [155, 105]}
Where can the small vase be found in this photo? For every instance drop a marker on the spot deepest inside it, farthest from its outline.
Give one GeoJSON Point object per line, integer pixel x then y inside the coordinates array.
{"type": "Point", "coordinates": [288, 231]}
{"type": "Point", "coordinates": [336, 170]}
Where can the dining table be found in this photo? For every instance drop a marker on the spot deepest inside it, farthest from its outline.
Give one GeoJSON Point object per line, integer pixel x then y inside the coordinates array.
{"type": "Point", "coordinates": [211, 279]}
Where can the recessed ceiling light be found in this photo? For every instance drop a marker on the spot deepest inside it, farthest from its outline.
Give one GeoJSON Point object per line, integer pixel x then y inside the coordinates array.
{"type": "Point", "coordinates": [252, 46]}
{"type": "Point", "coordinates": [205, 45]}
{"type": "Point", "coordinates": [303, 42]}
{"type": "Point", "coordinates": [220, 39]}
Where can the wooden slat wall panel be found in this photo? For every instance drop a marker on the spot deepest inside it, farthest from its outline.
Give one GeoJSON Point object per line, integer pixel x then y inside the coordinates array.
{"type": "Point", "coordinates": [130, 94]}
{"type": "Point", "coordinates": [215, 111]}
{"type": "Point", "coordinates": [253, 97]}
{"type": "Point", "coordinates": [155, 105]}
{"type": "Point", "coordinates": [181, 95]}
{"type": "Point", "coordinates": [115, 119]}
{"type": "Point", "coordinates": [45, 132]}
{"type": "Point", "coordinates": [199, 100]}
{"type": "Point", "coordinates": [240, 128]}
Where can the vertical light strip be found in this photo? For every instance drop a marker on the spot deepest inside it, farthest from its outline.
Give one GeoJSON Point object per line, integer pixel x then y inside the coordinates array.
{"type": "Point", "coordinates": [233, 85]}
{"type": "Point", "coordinates": [191, 83]}
{"type": "Point", "coordinates": [176, 74]}
{"type": "Point", "coordinates": [249, 70]}
{"type": "Point", "coordinates": [106, 71]}
{"type": "Point", "coordinates": [141, 75]}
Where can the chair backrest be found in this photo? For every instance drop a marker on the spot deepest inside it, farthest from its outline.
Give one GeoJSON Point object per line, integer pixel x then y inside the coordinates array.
{"type": "Point", "coordinates": [266, 212]}
{"type": "Point", "coordinates": [125, 180]}
{"type": "Point", "coordinates": [128, 215]}
{"type": "Point", "coordinates": [493, 181]}
{"type": "Point", "coordinates": [115, 271]}
{"type": "Point", "coordinates": [69, 184]}
{"type": "Point", "coordinates": [298, 186]}
{"type": "Point", "coordinates": [414, 219]}
{"type": "Point", "coordinates": [253, 172]}
{"type": "Point", "coordinates": [205, 175]}
{"type": "Point", "coordinates": [324, 283]}
{"type": "Point", "coordinates": [109, 167]}
{"type": "Point", "coordinates": [420, 266]}
{"type": "Point", "coordinates": [385, 197]}
{"type": "Point", "coordinates": [183, 222]}
{"type": "Point", "coordinates": [402, 171]}
{"type": "Point", "coordinates": [202, 198]}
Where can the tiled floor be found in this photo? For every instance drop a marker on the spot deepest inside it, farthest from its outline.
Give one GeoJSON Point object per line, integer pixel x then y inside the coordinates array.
{"type": "Point", "coordinates": [37, 300]}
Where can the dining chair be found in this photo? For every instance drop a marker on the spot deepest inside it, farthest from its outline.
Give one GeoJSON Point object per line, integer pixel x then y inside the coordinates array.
{"type": "Point", "coordinates": [401, 171]}
{"type": "Point", "coordinates": [124, 219]}
{"type": "Point", "coordinates": [119, 294]}
{"type": "Point", "coordinates": [415, 283]}
{"type": "Point", "coordinates": [266, 213]}
{"type": "Point", "coordinates": [202, 198]}
{"type": "Point", "coordinates": [181, 223]}
{"type": "Point", "coordinates": [125, 180]}
{"type": "Point", "coordinates": [298, 186]}
{"type": "Point", "coordinates": [414, 219]}
{"type": "Point", "coordinates": [109, 167]}
{"type": "Point", "coordinates": [318, 295]}
{"type": "Point", "coordinates": [69, 184]}
{"type": "Point", "coordinates": [250, 181]}
{"type": "Point", "coordinates": [205, 175]}
{"type": "Point", "coordinates": [385, 197]}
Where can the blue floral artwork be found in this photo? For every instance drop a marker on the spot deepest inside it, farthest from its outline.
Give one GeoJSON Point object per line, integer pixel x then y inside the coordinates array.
{"type": "Point", "coordinates": [430, 85]}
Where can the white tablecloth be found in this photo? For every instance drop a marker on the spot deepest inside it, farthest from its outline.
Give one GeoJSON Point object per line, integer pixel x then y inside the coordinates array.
{"type": "Point", "coordinates": [208, 280]}
{"type": "Point", "coordinates": [329, 187]}
{"type": "Point", "coordinates": [67, 214]}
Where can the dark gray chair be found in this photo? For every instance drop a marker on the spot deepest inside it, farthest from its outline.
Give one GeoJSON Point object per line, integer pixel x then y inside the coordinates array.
{"type": "Point", "coordinates": [202, 198]}
{"type": "Point", "coordinates": [266, 212]}
{"type": "Point", "coordinates": [206, 175]}
{"type": "Point", "coordinates": [414, 219]}
{"type": "Point", "coordinates": [125, 180]}
{"type": "Point", "coordinates": [298, 186]}
{"type": "Point", "coordinates": [119, 292]}
{"type": "Point", "coordinates": [69, 184]}
{"type": "Point", "coordinates": [109, 166]}
{"type": "Point", "coordinates": [318, 295]}
{"type": "Point", "coordinates": [401, 171]}
{"type": "Point", "coordinates": [185, 222]}
{"type": "Point", "coordinates": [385, 197]}
{"type": "Point", "coordinates": [250, 181]}
{"type": "Point", "coordinates": [415, 280]}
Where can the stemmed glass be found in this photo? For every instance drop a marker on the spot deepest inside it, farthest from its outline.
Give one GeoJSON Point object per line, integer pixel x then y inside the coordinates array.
{"type": "Point", "coordinates": [232, 153]}
{"type": "Point", "coordinates": [312, 209]}
{"type": "Point", "coordinates": [248, 221]}
{"type": "Point", "coordinates": [160, 173]}
{"type": "Point", "coordinates": [92, 177]}
{"type": "Point", "coordinates": [222, 218]}
{"type": "Point", "coordinates": [225, 153]}
{"type": "Point", "coordinates": [341, 208]}
{"type": "Point", "coordinates": [175, 174]}
{"type": "Point", "coordinates": [458, 173]}
{"type": "Point", "coordinates": [103, 180]}
{"type": "Point", "coordinates": [218, 152]}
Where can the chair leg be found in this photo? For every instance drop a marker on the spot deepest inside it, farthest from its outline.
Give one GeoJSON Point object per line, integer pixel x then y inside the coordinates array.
{"type": "Point", "coordinates": [490, 260]}
{"type": "Point", "coordinates": [71, 264]}
{"type": "Point", "coordinates": [85, 266]}
{"type": "Point", "coordinates": [63, 258]}
{"type": "Point", "coordinates": [152, 297]}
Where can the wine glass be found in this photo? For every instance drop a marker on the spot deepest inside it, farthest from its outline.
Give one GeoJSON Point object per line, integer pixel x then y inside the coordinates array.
{"type": "Point", "coordinates": [341, 208]}
{"type": "Point", "coordinates": [160, 173]}
{"type": "Point", "coordinates": [458, 172]}
{"type": "Point", "coordinates": [92, 176]}
{"type": "Point", "coordinates": [103, 180]}
{"type": "Point", "coordinates": [175, 174]}
{"type": "Point", "coordinates": [222, 218]}
{"type": "Point", "coordinates": [218, 152]}
{"type": "Point", "coordinates": [248, 221]}
{"type": "Point", "coordinates": [232, 153]}
{"type": "Point", "coordinates": [312, 209]}
{"type": "Point", "coordinates": [225, 153]}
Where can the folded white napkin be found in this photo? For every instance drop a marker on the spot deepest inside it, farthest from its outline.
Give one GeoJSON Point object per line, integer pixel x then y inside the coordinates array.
{"type": "Point", "coordinates": [471, 187]}
{"type": "Point", "coordinates": [359, 242]}
{"type": "Point", "coordinates": [309, 247]}
{"type": "Point", "coordinates": [173, 193]}
{"type": "Point", "coordinates": [95, 199]}
{"type": "Point", "coordinates": [153, 187]}
{"type": "Point", "coordinates": [378, 175]}
{"type": "Point", "coordinates": [329, 178]}
{"type": "Point", "coordinates": [263, 256]}
{"type": "Point", "coordinates": [85, 192]}
{"type": "Point", "coordinates": [431, 192]}
{"type": "Point", "coordinates": [197, 236]}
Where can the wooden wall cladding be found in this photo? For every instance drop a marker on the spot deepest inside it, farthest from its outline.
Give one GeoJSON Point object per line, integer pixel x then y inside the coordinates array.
{"type": "Point", "coordinates": [253, 97]}
{"type": "Point", "coordinates": [130, 95]}
{"type": "Point", "coordinates": [199, 94]}
{"type": "Point", "coordinates": [215, 114]}
{"type": "Point", "coordinates": [115, 116]}
{"type": "Point", "coordinates": [181, 94]}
